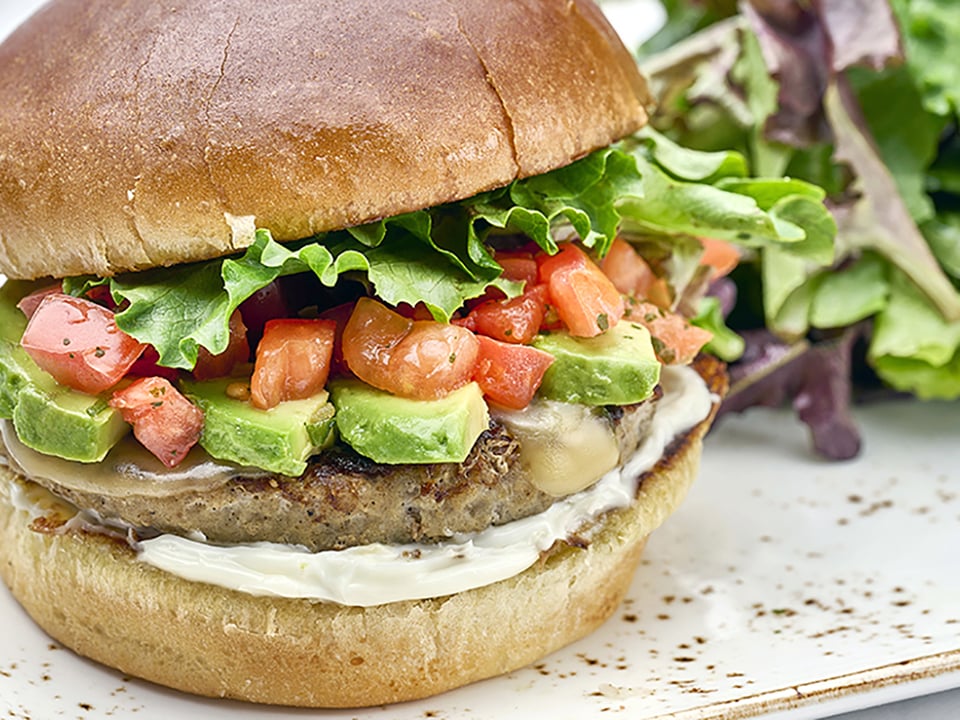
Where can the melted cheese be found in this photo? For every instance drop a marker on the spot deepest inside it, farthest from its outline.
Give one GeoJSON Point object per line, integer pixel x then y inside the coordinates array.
{"type": "Point", "coordinates": [564, 448]}
{"type": "Point", "coordinates": [128, 469]}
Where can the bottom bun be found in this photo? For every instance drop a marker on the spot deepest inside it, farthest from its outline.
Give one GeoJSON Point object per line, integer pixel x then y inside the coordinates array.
{"type": "Point", "coordinates": [90, 593]}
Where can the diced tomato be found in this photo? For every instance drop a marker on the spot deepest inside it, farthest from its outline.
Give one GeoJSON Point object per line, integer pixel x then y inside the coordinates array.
{"type": "Point", "coordinates": [509, 374]}
{"type": "Point", "coordinates": [340, 314]}
{"type": "Point", "coordinates": [675, 340]}
{"type": "Point", "coordinates": [719, 255]}
{"type": "Point", "coordinates": [433, 360]}
{"type": "Point", "coordinates": [211, 366]}
{"type": "Point", "coordinates": [148, 365]}
{"type": "Point", "coordinates": [627, 270]}
{"type": "Point", "coordinates": [163, 420]}
{"type": "Point", "coordinates": [265, 304]}
{"type": "Point", "coordinates": [632, 276]}
{"type": "Point", "coordinates": [420, 359]}
{"type": "Point", "coordinates": [517, 266]}
{"type": "Point", "coordinates": [468, 321]}
{"type": "Point", "coordinates": [369, 337]}
{"type": "Point", "coordinates": [516, 320]}
{"type": "Point", "coordinates": [293, 360]}
{"type": "Point", "coordinates": [28, 305]}
{"type": "Point", "coordinates": [587, 302]}
{"type": "Point", "coordinates": [78, 342]}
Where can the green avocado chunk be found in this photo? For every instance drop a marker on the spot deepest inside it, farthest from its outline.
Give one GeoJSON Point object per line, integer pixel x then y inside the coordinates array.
{"type": "Point", "coordinates": [618, 367]}
{"type": "Point", "coordinates": [68, 424]}
{"type": "Point", "coordinates": [48, 417]}
{"type": "Point", "coordinates": [393, 430]}
{"type": "Point", "coordinates": [13, 374]}
{"type": "Point", "coordinates": [277, 440]}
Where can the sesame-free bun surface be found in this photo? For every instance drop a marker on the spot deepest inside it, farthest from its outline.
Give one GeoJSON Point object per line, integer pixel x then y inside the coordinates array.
{"type": "Point", "coordinates": [90, 593]}
{"type": "Point", "coordinates": [132, 131]}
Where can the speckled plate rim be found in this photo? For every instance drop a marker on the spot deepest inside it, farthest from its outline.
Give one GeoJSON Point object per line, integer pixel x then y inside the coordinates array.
{"type": "Point", "coordinates": [876, 686]}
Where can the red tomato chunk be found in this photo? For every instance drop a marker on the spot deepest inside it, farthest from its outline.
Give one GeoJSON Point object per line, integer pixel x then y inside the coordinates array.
{"type": "Point", "coordinates": [78, 342]}
{"type": "Point", "coordinates": [517, 320]}
{"type": "Point", "coordinates": [28, 304]}
{"type": "Point", "coordinates": [675, 340]}
{"type": "Point", "coordinates": [293, 360]}
{"type": "Point", "coordinates": [420, 359]}
{"type": "Point", "coordinates": [163, 420]}
{"type": "Point", "coordinates": [585, 299]}
{"type": "Point", "coordinates": [629, 272]}
{"type": "Point", "coordinates": [510, 374]}
{"type": "Point", "coordinates": [520, 267]}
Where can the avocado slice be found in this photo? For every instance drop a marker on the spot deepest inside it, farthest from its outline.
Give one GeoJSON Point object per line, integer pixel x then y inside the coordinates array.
{"type": "Point", "coordinates": [48, 417]}
{"type": "Point", "coordinates": [618, 367]}
{"type": "Point", "coordinates": [12, 324]}
{"type": "Point", "coordinates": [393, 430]}
{"type": "Point", "coordinates": [67, 424]}
{"type": "Point", "coordinates": [278, 440]}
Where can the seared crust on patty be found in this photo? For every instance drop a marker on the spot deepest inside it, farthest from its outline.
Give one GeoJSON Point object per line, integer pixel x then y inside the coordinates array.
{"type": "Point", "coordinates": [344, 499]}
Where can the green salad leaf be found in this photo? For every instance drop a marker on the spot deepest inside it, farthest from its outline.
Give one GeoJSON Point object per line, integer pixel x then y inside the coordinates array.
{"type": "Point", "coordinates": [862, 100]}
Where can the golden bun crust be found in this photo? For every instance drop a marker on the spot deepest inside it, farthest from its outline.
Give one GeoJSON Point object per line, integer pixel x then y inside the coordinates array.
{"type": "Point", "coordinates": [131, 132]}
{"type": "Point", "coordinates": [91, 594]}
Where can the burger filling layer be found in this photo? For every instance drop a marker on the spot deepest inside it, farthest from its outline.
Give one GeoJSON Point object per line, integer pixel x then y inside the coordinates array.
{"type": "Point", "coordinates": [377, 573]}
{"type": "Point", "coordinates": [519, 466]}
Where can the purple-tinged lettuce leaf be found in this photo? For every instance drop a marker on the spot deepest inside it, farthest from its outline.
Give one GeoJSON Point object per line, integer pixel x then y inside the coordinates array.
{"type": "Point", "coordinates": [879, 219]}
{"type": "Point", "coordinates": [793, 48]}
{"type": "Point", "coordinates": [822, 400]}
{"type": "Point", "coordinates": [861, 33]}
{"type": "Point", "coordinates": [814, 377]}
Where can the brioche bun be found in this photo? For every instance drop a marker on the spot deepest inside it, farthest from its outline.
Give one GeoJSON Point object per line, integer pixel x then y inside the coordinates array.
{"type": "Point", "coordinates": [140, 134]}
{"type": "Point", "coordinates": [90, 593]}
{"type": "Point", "coordinates": [133, 132]}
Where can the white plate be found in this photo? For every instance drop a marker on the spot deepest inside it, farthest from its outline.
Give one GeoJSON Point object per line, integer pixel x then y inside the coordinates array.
{"type": "Point", "coordinates": [785, 587]}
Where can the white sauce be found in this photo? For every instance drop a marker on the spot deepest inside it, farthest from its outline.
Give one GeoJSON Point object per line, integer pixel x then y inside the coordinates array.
{"type": "Point", "coordinates": [376, 574]}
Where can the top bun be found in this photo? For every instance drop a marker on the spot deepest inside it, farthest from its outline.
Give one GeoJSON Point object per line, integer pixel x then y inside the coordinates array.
{"type": "Point", "coordinates": [131, 134]}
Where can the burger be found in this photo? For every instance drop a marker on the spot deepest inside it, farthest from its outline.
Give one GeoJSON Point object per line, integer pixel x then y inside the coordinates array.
{"type": "Point", "coordinates": [329, 375]}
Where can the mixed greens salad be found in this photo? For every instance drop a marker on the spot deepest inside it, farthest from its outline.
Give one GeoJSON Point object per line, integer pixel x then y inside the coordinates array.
{"type": "Point", "coordinates": [862, 100]}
